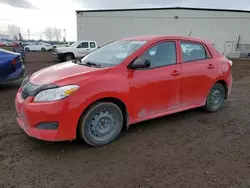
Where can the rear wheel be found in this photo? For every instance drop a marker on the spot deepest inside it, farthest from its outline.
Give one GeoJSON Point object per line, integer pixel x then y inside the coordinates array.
{"type": "Point", "coordinates": [215, 99]}
{"type": "Point", "coordinates": [27, 49]}
{"type": "Point", "coordinates": [101, 124]}
{"type": "Point", "coordinates": [43, 49]}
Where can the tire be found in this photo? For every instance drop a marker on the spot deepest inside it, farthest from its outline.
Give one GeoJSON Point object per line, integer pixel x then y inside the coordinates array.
{"type": "Point", "coordinates": [61, 60]}
{"type": "Point", "coordinates": [43, 49]}
{"type": "Point", "coordinates": [27, 50]}
{"type": "Point", "coordinates": [68, 57]}
{"type": "Point", "coordinates": [101, 124]}
{"type": "Point", "coordinates": [216, 98]}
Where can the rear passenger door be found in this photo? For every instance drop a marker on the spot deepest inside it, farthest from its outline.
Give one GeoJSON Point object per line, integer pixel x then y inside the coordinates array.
{"type": "Point", "coordinates": [199, 72]}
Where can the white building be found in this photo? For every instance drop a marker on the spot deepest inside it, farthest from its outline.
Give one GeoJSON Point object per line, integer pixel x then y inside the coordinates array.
{"type": "Point", "coordinates": [229, 29]}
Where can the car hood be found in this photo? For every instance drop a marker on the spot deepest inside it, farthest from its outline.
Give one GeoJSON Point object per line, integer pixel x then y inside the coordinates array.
{"type": "Point", "coordinates": [65, 73]}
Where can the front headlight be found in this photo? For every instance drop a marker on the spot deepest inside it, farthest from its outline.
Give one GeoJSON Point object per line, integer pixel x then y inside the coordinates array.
{"type": "Point", "coordinates": [56, 93]}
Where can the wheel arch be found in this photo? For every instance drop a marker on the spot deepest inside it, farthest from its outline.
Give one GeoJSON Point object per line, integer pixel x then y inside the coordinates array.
{"type": "Point", "coordinates": [65, 53]}
{"type": "Point", "coordinates": [113, 100]}
{"type": "Point", "coordinates": [224, 84]}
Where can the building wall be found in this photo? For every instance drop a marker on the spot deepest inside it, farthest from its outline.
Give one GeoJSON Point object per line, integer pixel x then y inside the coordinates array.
{"type": "Point", "coordinates": [217, 26]}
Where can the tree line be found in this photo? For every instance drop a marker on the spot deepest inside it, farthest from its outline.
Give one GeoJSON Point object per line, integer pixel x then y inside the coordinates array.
{"type": "Point", "coordinates": [50, 33]}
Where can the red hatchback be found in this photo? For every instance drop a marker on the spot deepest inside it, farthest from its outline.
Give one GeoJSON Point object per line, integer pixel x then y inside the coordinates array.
{"type": "Point", "coordinates": [122, 83]}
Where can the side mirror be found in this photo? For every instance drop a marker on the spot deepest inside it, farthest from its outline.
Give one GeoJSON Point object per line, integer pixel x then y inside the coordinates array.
{"type": "Point", "coordinates": [140, 63]}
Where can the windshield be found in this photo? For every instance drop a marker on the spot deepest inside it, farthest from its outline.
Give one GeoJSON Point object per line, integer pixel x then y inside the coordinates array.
{"type": "Point", "coordinates": [74, 43]}
{"type": "Point", "coordinates": [113, 53]}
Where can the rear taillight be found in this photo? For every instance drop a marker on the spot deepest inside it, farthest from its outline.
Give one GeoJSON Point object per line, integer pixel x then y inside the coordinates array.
{"type": "Point", "coordinates": [227, 61]}
{"type": "Point", "coordinates": [14, 61]}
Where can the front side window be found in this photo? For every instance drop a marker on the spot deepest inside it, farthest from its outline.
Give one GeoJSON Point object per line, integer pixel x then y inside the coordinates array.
{"type": "Point", "coordinates": [113, 53]}
{"type": "Point", "coordinates": [161, 54]}
{"type": "Point", "coordinates": [83, 45]}
{"type": "Point", "coordinates": [193, 52]}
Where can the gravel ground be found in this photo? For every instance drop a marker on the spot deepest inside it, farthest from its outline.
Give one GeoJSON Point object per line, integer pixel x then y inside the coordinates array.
{"type": "Point", "coordinates": [188, 149]}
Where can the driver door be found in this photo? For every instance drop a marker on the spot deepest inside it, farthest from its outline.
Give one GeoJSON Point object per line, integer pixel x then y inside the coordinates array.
{"type": "Point", "coordinates": [82, 49]}
{"type": "Point", "coordinates": [156, 90]}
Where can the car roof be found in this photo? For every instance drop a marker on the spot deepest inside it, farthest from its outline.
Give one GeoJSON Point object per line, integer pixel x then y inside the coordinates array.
{"type": "Point", "coordinates": [166, 37]}
{"type": "Point", "coordinates": [86, 41]}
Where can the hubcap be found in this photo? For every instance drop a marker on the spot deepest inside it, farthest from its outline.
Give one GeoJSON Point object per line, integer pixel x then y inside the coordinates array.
{"type": "Point", "coordinates": [215, 97]}
{"type": "Point", "coordinates": [102, 125]}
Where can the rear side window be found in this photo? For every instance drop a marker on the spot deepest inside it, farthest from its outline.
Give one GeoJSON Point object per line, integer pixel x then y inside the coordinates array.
{"type": "Point", "coordinates": [193, 52]}
{"type": "Point", "coordinates": [92, 45]}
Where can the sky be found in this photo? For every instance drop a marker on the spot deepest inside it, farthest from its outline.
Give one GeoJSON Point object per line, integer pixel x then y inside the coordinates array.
{"type": "Point", "coordinates": [36, 15]}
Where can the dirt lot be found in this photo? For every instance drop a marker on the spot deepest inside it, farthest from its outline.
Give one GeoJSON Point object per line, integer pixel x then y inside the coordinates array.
{"type": "Point", "coordinates": [189, 149]}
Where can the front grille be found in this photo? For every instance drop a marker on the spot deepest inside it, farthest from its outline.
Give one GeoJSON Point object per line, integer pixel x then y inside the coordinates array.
{"type": "Point", "coordinates": [24, 95]}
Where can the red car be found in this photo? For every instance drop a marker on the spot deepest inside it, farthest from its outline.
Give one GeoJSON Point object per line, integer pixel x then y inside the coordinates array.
{"type": "Point", "coordinates": [122, 83]}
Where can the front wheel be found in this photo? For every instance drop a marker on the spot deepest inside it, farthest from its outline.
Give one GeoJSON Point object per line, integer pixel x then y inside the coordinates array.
{"type": "Point", "coordinates": [101, 124]}
{"type": "Point", "coordinates": [43, 49]}
{"type": "Point", "coordinates": [215, 99]}
{"type": "Point", "coordinates": [68, 57]}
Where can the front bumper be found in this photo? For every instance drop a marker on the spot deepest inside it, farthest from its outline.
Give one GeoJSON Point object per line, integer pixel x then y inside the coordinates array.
{"type": "Point", "coordinates": [58, 55]}
{"type": "Point", "coordinates": [30, 115]}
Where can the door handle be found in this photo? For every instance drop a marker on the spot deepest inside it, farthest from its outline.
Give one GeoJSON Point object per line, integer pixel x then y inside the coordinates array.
{"type": "Point", "coordinates": [210, 66]}
{"type": "Point", "coordinates": [175, 73]}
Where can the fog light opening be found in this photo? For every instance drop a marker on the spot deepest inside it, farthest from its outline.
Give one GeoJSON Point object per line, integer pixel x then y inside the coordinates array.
{"type": "Point", "coordinates": [48, 125]}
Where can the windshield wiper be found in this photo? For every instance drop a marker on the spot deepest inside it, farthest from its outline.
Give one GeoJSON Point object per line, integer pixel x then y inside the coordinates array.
{"type": "Point", "coordinates": [75, 61]}
{"type": "Point", "coordinates": [92, 64]}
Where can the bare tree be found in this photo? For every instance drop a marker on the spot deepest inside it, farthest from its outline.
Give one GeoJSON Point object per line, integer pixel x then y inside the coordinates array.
{"type": "Point", "coordinates": [14, 31]}
{"type": "Point", "coordinates": [57, 34]}
{"type": "Point", "coordinates": [49, 33]}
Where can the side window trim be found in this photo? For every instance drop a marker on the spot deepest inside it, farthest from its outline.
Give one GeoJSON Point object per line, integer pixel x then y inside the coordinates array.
{"type": "Point", "coordinates": [208, 54]}
{"type": "Point", "coordinates": [155, 44]}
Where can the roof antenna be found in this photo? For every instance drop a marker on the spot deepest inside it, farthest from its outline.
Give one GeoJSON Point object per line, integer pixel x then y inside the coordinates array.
{"type": "Point", "coordinates": [190, 33]}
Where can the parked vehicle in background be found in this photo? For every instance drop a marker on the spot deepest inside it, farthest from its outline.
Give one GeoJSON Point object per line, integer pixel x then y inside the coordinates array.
{"type": "Point", "coordinates": [26, 44]}
{"type": "Point", "coordinates": [61, 44]}
{"type": "Point", "coordinates": [77, 50]}
{"type": "Point", "coordinates": [11, 67]}
{"type": "Point", "coordinates": [38, 46]}
{"type": "Point", "coordinates": [122, 83]}
{"type": "Point", "coordinates": [20, 49]}
{"type": "Point", "coordinates": [2, 43]}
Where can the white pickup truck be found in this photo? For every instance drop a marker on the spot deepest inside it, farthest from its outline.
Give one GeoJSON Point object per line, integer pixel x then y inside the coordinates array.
{"type": "Point", "coordinates": [77, 50]}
